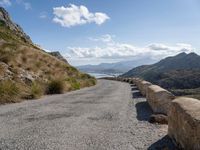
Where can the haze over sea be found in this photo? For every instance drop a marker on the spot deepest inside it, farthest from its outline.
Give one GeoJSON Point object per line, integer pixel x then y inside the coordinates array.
{"type": "Point", "coordinates": [101, 75]}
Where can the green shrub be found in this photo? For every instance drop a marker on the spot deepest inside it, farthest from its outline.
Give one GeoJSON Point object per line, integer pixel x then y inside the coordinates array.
{"type": "Point", "coordinates": [36, 90]}
{"type": "Point", "coordinates": [9, 92]}
{"type": "Point", "coordinates": [55, 87]}
{"type": "Point", "coordinates": [85, 76]}
{"type": "Point", "coordinates": [75, 85]}
{"type": "Point", "coordinates": [93, 81]}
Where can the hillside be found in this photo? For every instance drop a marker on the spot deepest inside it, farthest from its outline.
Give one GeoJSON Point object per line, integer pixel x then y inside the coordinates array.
{"type": "Point", "coordinates": [27, 71]}
{"type": "Point", "coordinates": [178, 73]}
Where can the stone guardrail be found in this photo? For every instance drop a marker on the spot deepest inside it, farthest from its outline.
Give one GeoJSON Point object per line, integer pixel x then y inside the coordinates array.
{"type": "Point", "coordinates": [184, 123]}
{"type": "Point", "coordinates": [183, 113]}
{"type": "Point", "coordinates": [159, 99]}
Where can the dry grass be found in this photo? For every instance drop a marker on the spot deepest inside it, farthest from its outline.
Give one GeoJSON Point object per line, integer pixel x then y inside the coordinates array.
{"type": "Point", "coordinates": [36, 90]}
{"type": "Point", "coordinates": [9, 92]}
{"type": "Point", "coordinates": [23, 56]}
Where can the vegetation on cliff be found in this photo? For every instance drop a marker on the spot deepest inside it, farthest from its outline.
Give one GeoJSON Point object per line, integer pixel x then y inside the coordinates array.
{"type": "Point", "coordinates": [27, 71]}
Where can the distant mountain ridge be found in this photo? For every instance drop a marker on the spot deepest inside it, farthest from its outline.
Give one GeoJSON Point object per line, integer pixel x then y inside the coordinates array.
{"type": "Point", "coordinates": [119, 67]}
{"type": "Point", "coordinates": [179, 72]}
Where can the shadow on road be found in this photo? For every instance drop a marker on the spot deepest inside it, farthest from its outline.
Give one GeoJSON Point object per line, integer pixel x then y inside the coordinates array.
{"type": "Point", "coordinates": [134, 88]}
{"type": "Point", "coordinates": [132, 85]}
{"type": "Point", "coordinates": [162, 144]}
{"type": "Point", "coordinates": [143, 111]}
{"type": "Point", "coordinates": [136, 94]}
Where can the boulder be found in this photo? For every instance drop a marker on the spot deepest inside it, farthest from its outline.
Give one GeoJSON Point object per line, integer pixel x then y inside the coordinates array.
{"type": "Point", "coordinates": [184, 123]}
{"type": "Point", "coordinates": [159, 99]}
{"type": "Point", "coordinates": [158, 118]}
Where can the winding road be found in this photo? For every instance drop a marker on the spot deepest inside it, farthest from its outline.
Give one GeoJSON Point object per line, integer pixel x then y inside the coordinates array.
{"type": "Point", "coordinates": [109, 116]}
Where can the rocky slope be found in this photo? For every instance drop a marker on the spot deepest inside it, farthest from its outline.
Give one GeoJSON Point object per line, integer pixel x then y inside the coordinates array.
{"type": "Point", "coordinates": [27, 71]}
{"type": "Point", "coordinates": [6, 21]}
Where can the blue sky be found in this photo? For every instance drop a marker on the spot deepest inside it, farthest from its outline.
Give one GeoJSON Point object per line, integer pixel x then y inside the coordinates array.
{"type": "Point", "coordinates": [110, 31]}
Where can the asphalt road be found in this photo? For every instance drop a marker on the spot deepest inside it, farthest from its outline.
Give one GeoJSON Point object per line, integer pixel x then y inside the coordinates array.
{"type": "Point", "coordinates": [111, 115]}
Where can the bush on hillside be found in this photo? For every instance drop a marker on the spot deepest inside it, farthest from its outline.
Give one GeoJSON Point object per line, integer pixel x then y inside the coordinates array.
{"type": "Point", "coordinates": [75, 85]}
{"type": "Point", "coordinates": [55, 87]}
{"type": "Point", "coordinates": [36, 90]}
{"type": "Point", "coordinates": [9, 92]}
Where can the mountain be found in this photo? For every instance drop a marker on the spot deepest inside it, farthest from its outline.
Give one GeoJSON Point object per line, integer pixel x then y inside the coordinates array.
{"type": "Point", "coordinates": [6, 21]}
{"type": "Point", "coordinates": [112, 68]}
{"type": "Point", "coordinates": [27, 71]}
{"type": "Point", "coordinates": [180, 72]}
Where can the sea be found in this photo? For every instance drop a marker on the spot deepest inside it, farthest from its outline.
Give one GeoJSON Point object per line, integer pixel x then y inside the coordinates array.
{"type": "Point", "coordinates": [101, 75]}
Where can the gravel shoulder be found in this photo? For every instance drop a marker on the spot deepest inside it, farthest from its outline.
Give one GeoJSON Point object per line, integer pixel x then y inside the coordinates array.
{"type": "Point", "coordinates": [109, 116]}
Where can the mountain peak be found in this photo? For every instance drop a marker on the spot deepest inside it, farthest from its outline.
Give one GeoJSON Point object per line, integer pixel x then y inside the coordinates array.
{"type": "Point", "coordinates": [193, 54]}
{"type": "Point", "coordinates": [5, 20]}
{"type": "Point", "coordinates": [181, 54]}
{"type": "Point", "coordinates": [181, 61]}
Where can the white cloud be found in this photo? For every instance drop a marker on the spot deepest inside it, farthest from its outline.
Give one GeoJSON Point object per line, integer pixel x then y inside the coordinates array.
{"type": "Point", "coordinates": [115, 50]}
{"type": "Point", "coordinates": [5, 2]}
{"type": "Point", "coordinates": [77, 15]}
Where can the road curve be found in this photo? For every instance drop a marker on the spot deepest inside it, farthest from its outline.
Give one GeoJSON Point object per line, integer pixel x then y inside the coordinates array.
{"type": "Point", "coordinates": [104, 117]}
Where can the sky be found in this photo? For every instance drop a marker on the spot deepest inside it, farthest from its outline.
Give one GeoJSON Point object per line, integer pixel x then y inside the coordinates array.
{"type": "Point", "coordinates": [102, 31]}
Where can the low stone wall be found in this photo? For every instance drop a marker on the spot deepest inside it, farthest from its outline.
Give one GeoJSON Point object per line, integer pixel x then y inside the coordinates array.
{"type": "Point", "coordinates": [159, 99]}
{"type": "Point", "coordinates": [183, 113]}
{"type": "Point", "coordinates": [143, 86]}
{"type": "Point", "coordinates": [184, 123]}
{"type": "Point", "coordinates": [137, 81]}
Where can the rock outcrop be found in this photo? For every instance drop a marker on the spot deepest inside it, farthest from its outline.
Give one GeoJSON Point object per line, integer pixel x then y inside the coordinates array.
{"type": "Point", "coordinates": [59, 56]}
{"type": "Point", "coordinates": [184, 123]}
{"type": "Point", "coordinates": [6, 21]}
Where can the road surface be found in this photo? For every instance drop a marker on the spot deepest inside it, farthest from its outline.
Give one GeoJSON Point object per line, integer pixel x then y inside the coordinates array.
{"type": "Point", "coordinates": [109, 116]}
